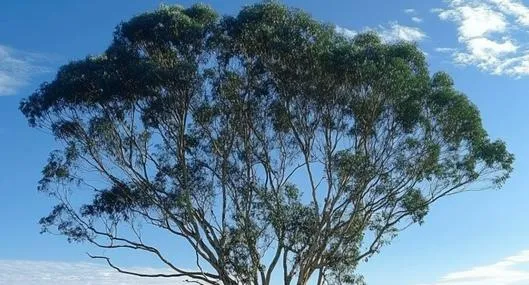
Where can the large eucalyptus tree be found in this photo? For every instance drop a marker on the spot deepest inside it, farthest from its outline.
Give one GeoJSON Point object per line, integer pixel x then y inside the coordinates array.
{"type": "Point", "coordinates": [273, 146]}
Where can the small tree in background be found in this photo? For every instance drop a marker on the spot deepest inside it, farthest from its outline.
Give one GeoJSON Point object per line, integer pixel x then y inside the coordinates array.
{"type": "Point", "coordinates": [267, 142]}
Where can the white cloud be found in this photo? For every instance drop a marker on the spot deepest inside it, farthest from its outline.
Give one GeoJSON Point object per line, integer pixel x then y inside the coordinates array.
{"type": "Point", "coordinates": [514, 8]}
{"type": "Point", "coordinates": [488, 31]}
{"type": "Point", "coordinates": [17, 68]}
{"type": "Point", "coordinates": [345, 32]}
{"type": "Point", "coordinates": [444, 49]}
{"type": "Point", "coordinates": [503, 272]}
{"type": "Point", "coordinates": [416, 19]}
{"type": "Point", "coordinates": [52, 273]}
{"type": "Point", "coordinates": [409, 11]}
{"type": "Point", "coordinates": [391, 32]}
{"type": "Point", "coordinates": [475, 21]}
{"type": "Point", "coordinates": [397, 32]}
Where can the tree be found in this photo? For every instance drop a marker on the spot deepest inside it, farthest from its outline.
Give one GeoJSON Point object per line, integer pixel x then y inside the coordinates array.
{"type": "Point", "coordinates": [270, 144]}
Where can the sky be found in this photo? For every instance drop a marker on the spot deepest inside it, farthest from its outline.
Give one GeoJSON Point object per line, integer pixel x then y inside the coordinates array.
{"type": "Point", "coordinates": [468, 239]}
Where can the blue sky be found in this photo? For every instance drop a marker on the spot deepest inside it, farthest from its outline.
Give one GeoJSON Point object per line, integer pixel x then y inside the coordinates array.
{"type": "Point", "coordinates": [469, 239]}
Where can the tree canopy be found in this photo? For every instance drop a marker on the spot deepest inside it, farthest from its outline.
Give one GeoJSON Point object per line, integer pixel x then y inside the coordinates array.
{"type": "Point", "coordinates": [267, 142]}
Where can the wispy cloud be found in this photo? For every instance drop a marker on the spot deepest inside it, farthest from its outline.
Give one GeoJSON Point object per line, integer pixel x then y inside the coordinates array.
{"type": "Point", "coordinates": [17, 68]}
{"type": "Point", "coordinates": [514, 8]}
{"type": "Point", "coordinates": [416, 19]}
{"type": "Point", "coordinates": [445, 50]}
{"type": "Point", "coordinates": [409, 11]}
{"type": "Point", "coordinates": [391, 32]}
{"type": "Point", "coordinates": [396, 32]}
{"type": "Point", "coordinates": [348, 33]}
{"type": "Point", "coordinates": [52, 273]}
{"type": "Point", "coordinates": [504, 272]}
{"type": "Point", "coordinates": [489, 34]}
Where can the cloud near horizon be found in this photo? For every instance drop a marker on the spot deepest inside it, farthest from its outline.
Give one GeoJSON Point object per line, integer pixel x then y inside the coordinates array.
{"type": "Point", "coordinates": [397, 32]}
{"type": "Point", "coordinates": [492, 34]}
{"type": "Point", "coordinates": [512, 270]}
{"type": "Point", "coordinates": [390, 33]}
{"type": "Point", "coordinates": [77, 273]}
{"type": "Point", "coordinates": [508, 271]}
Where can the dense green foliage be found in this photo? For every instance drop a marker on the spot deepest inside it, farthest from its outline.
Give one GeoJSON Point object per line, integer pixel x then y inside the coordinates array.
{"type": "Point", "coordinates": [267, 142]}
